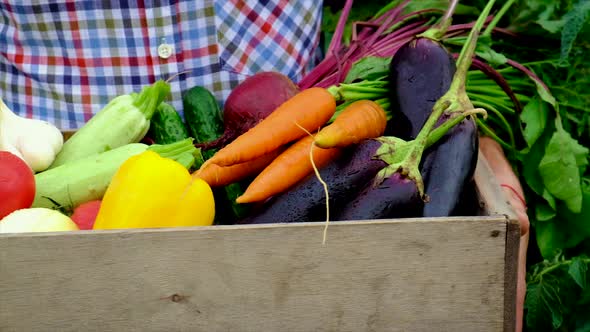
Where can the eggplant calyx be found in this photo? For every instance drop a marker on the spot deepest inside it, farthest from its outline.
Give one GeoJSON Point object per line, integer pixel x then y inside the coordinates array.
{"type": "Point", "coordinates": [407, 168]}
{"type": "Point", "coordinates": [393, 149]}
{"type": "Point", "coordinates": [438, 31]}
{"type": "Point", "coordinates": [402, 157]}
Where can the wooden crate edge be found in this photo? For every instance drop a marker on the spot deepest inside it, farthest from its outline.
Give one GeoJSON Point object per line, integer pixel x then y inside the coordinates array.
{"type": "Point", "coordinates": [494, 202]}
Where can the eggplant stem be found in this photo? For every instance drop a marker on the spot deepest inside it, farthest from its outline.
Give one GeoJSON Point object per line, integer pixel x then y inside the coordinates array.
{"type": "Point", "coordinates": [441, 130]}
{"type": "Point", "coordinates": [454, 100]}
{"type": "Point", "coordinates": [497, 17]}
{"type": "Point", "coordinates": [438, 31]}
{"type": "Point", "coordinates": [466, 55]}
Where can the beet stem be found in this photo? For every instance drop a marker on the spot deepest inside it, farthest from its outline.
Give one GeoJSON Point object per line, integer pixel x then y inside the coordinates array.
{"type": "Point", "coordinates": [337, 38]}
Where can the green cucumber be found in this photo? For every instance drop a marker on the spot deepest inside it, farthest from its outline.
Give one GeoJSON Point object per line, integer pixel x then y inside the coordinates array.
{"type": "Point", "coordinates": [204, 122]}
{"type": "Point", "coordinates": [166, 125]}
{"type": "Point", "coordinates": [232, 192]}
{"type": "Point", "coordinates": [203, 116]}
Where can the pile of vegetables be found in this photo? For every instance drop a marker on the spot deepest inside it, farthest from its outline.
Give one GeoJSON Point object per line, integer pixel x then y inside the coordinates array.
{"type": "Point", "coordinates": [532, 78]}
{"type": "Point", "coordinates": [387, 125]}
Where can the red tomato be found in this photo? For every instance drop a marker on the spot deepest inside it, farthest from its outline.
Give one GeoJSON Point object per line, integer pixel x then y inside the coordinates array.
{"type": "Point", "coordinates": [17, 184]}
{"type": "Point", "coordinates": [85, 214]}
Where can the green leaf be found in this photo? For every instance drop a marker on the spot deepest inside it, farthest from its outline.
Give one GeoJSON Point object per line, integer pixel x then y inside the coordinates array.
{"type": "Point", "coordinates": [582, 326]}
{"type": "Point", "coordinates": [535, 115]}
{"type": "Point", "coordinates": [442, 5]}
{"type": "Point", "coordinates": [543, 302]}
{"type": "Point", "coordinates": [544, 212]}
{"type": "Point", "coordinates": [577, 271]}
{"type": "Point", "coordinates": [530, 162]}
{"type": "Point", "coordinates": [560, 168]}
{"type": "Point", "coordinates": [491, 56]}
{"type": "Point", "coordinates": [549, 199]}
{"type": "Point", "coordinates": [368, 68]}
{"type": "Point", "coordinates": [565, 230]}
{"type": "Point", "coordinates": [550, 238]}
{"type": "Point", "coordinates": [581, 154]}
{"type": "Point", "coordinates": [544, 20]}
{"type": "Point", "coordinates": [545, 94]}
{"type": "Point", "coordinates": [576, 226]}
{"type": "Point", "coordinates": [574, 22]}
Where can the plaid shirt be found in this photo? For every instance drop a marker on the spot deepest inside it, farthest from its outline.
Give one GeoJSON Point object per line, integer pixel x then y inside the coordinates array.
{"type": "Point", "coordinates": [63, 60]}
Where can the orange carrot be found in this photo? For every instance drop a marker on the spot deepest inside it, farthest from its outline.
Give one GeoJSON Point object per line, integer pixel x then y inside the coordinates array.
{"type": "Point", "coordinates": [217, 176]}
{"type": "Point", "coordinates": [287, 169]}
{"type": "Point", "coordinates": [360, 120]}
{"type": "Point", "coordinates": [310, 109]}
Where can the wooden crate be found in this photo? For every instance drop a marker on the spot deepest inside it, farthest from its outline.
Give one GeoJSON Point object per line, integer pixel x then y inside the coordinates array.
{"type": "Point", "coordinates": [426, 274]}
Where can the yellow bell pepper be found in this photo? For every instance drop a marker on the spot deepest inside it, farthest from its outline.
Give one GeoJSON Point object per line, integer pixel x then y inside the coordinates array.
{"type": "Point", "coordinates": [152, 191]}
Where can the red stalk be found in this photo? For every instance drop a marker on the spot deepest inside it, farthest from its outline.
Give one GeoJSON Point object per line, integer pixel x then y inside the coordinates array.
{"type": "Point", "coordinates": [337, 38]}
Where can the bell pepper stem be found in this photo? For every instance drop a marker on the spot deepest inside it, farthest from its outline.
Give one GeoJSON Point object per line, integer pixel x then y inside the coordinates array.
{"type": "Point", "coordinates": [183, 152]}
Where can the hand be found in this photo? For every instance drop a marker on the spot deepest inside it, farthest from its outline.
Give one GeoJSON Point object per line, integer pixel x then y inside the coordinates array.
{"type": "Point", "coordinates": [502, 169]}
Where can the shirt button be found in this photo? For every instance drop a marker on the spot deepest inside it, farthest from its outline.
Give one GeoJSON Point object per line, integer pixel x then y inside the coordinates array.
{"type": "Point", "coordinates": [165, 51]}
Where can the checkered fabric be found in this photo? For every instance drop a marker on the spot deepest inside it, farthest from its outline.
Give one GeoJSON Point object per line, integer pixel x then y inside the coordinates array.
{"type": "Point", "coordinates": [63, 60]}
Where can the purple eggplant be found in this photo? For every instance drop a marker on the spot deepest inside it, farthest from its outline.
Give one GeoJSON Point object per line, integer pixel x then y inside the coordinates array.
{"type": "Point", "coordinates": [306, 201]}
{"type": "Point", "coordinates": [420, 73]}
{"type": "Point", "coordinates": [394, 196]}
{"type": "Point", "coordinates": [448, 168]}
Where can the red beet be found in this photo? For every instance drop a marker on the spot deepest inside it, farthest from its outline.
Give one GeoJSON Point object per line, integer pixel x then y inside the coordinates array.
{"type": "Point", "coordinates": [250, 102]}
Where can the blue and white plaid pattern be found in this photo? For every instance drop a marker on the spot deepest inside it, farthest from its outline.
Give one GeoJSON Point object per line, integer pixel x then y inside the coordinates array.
{"type": "Point", "coordinates": [63, 60]}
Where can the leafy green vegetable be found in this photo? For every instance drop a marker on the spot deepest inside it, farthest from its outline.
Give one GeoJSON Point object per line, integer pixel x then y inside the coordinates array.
{"type": "Point", "coordinates": [535, 115]}
{"type": "Point", "coordinates": [361, 11]}
{"type": "Point", "coordinates": [577, 271]}
{"type": "Point", "coordinates": [574, 21]}
{"type": "Point", "coordinates": [565, 230]}
{"type": "Point", "coordinates": [543, 298]}
{"type": "Point", "coordinates": [369, 68]}
{"type": "Point", "coordinates": [553, 26]}
{"type": "Point", "coordinates": [491, 56]}
{"type": "Point", "coordinates": [560, 168]}
{"type": "Point", "coordinates": [551, 298]}
{"type": "Point", "coordinates": [442, 5]}
{"type": "Point", "coordinates": [544, 212]}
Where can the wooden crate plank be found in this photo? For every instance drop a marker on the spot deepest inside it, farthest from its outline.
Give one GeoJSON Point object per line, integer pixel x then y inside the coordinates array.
{"type": "Point", "coordinates": [493, 201]}
{"type": "Point", "coordinates": [415, 274]}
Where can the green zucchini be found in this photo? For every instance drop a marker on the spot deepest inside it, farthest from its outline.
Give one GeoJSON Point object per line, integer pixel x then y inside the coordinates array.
{"type": "Point", "coordinates": [124, 120]}
{"type": "Point", "coordinates": [203, 116]}
{"type": "Point", "coordinates": [166, 125]}
{"type": "Point", "coordinates": [204, 121]}
{"type": "Point", "coordinates": [87, 179]}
